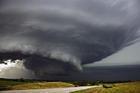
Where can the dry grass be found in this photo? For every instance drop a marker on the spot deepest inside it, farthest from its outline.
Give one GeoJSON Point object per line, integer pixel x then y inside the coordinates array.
{"type": "Point", "coordinates": [41, 85]}
{"type": "Point", "coordinates": [18, 85]}
{"type": "Point", "coordinates": [132, 87]}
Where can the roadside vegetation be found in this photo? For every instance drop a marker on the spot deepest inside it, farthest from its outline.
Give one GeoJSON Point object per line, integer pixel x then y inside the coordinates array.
{"type": "Point", "coordinates": [107, 86]}
{"type": "Point", "coordinates": [21, 84]}
{"type": "Point", "coordinates": [128, 87]}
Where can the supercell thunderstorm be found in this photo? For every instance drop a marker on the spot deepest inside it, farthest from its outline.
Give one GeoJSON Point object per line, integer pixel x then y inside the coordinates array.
{"type": "Point", "coordinates": [59, 37]}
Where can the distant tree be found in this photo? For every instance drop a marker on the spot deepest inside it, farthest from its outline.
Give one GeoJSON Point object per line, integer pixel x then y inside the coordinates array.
{"type": "Point", "coordinates": [21, 79]}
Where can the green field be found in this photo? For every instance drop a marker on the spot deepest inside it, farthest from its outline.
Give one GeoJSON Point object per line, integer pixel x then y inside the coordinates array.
{"type": "Point", "coordinates": [21, 84]}
{"type": "Point", "coordinates": [129, 87]}
{"type": "Point", "coordinates": [6, 84]}
{"type": "Point", "coordinates": [107, 87]}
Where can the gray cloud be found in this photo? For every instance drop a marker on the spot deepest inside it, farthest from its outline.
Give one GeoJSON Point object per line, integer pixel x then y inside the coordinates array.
{"type": "Point", "coordinates": [65, 35]}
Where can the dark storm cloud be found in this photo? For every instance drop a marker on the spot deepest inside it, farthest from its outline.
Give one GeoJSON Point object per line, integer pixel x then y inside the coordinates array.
{"type": "Point", "coordinates": [59, 36]}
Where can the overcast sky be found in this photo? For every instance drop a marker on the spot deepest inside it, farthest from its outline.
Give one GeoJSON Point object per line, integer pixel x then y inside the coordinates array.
{"type": "Point", "coordinates": [55, 38]}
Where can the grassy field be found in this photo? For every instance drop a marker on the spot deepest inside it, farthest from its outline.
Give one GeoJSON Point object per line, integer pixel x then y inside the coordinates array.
{"type": "Point", "coordinates": [130, 87]}
{"type": "Point", "coordinates": [30, 84]}
{"type": "Point", "coordinates": [21, 84]}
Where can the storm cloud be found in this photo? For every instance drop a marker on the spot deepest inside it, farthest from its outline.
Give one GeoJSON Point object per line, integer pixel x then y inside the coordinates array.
{"type": "Point", "coordinates": [60, 37]}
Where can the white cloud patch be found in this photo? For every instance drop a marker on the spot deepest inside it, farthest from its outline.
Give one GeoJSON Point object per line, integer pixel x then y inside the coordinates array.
{"type": "Point", "coordinates": [14, 69]}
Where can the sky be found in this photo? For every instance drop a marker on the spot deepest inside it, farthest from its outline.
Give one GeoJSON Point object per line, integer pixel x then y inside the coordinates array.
{"type": "Point", "coordinates": [69, 39]}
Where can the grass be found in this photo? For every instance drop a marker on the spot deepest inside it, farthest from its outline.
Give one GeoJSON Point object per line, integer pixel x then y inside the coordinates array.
{"type": "Point", "coordinates": [20, 85]}
{"type": "Point", "coordinates": [130, 87]}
